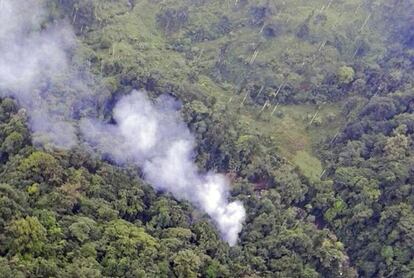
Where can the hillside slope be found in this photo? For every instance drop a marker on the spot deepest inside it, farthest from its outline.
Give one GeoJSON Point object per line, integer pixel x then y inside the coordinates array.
{"type": "Point", "coordinates": [306, 106]}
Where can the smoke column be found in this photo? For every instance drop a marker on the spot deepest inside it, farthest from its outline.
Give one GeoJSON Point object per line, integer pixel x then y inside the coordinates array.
{"type": "Point", "coordinates": [36, 69]}
{"type": "Point", "coordinates": [153, 136]}
{"type": "Point", "coordinates": [29, 59]}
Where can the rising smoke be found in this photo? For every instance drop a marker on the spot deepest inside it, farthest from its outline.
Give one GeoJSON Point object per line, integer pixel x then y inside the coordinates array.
{"type": "Point", "coordinates": [37, 70]}
{"type": "Point", "coordinates": [153, 136]}
{"type": "Point", "coordinates": [30, 59]}
{"type": "Point", "coordinates": [34, 59]}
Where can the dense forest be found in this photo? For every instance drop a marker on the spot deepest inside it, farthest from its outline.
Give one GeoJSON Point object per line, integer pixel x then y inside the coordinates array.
{"type": "Point", "coordinates": [306, 106]}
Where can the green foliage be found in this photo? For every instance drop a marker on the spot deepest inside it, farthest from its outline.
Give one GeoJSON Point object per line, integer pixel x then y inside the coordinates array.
{"type": "Point", "coordinates": [346, 74]}
{"type": "Point", "coordinates": [84, 229]}
{"type": "Point", "coordinates": [327, 195]}
{"type": "Point", "coordinates": [186, 264]}
{"type": "Point", "coordinates": [42, 168]}
{"type": "Point", "coordinates": [372, 185]}
{"type": "Point", "coordinates": [26, 236]}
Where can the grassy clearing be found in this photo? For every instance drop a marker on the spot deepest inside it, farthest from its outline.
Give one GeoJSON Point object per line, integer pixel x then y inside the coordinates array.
{"type": "Point", "coordinates": [294, 138]}
{"type": "Point", "coordinates": [136, 40]}
{"type": "Point", "coordinates": [309, 165]}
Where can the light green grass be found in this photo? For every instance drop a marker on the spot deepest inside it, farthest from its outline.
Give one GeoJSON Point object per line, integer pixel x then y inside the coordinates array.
{"type": "Point", "coordinates": [136, 39]}
{"type": "Point", "coordinates": [309, 165]}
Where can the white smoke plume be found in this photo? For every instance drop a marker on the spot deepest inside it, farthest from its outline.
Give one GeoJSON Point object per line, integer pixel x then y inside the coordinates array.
{"type": "Point", "coordinates": [153, 136]}
{"type": "Point", "coordinates": [36, 70]}
{"type": "Point", "coordinates": [29, 59]}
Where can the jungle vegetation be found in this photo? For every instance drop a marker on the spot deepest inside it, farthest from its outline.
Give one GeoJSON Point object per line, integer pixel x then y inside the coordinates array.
{"type": "Point", "coordinates": [306, 105]}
